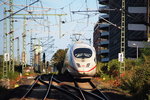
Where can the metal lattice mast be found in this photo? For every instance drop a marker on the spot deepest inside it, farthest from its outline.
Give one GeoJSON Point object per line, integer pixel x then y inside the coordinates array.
{"type": "Point", "coordinates": [148, 20]}
{"type": "Point", "coordinates": [18, 50]}
{"type": "Point", "coordinates": [31, 52]}
{"type": "Point", "coordinates": [11, 62]}
{"type": "Point", "coordinates": [5, 64]}
{"type": "Point", "coordinates": [24, 44]}
{"type": "Point", "coordinates": [122, 49]}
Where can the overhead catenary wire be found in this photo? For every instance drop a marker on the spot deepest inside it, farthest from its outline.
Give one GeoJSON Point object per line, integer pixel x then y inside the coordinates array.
{"type": "Point", "coordinates": [29, 11]}
{"type": "Point", "coordinates": [100, 17]}
{"type": "Point", "coordinates": [70, 21]}
{"type": "Point", "coordinates": [68, 4]}
{"type": "Point", "coordinates": [25, 5]}
{"type": "Point", "coordinates": [134, 17]}
{"type": "Point", "coordinates": [18, 11]}
{"type": "Point", "coordinates": [87, 12]}
{"type": "Point", "coordinates": [75, 20]}
{"type": "Point", "coordinates": [3, 2]}
{"type": "Point", "coordinates": [70, 13]}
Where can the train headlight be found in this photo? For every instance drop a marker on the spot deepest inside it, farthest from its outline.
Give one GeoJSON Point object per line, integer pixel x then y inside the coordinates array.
{"type": "Point", "coordinates": [88, 64]}
{"type": "Point", "coordinates": [78, 64]}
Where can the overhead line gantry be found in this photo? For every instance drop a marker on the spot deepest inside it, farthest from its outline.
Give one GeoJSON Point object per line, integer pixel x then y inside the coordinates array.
{"type": "Point", "coordinates": [60, 21]}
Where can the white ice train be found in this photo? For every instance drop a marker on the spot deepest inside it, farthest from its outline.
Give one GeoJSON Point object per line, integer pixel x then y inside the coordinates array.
{"type": "Point", "coordinates": [80, 60]}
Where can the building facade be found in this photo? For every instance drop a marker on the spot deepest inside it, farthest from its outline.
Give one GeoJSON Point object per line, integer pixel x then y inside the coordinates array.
{"type": "Point", "coordinates": [107, 32]}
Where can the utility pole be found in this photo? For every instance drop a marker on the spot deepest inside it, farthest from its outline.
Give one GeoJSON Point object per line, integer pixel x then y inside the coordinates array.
{"type": "Point", "coordinates": [5, 51]}
{"type": "Point", "coordinates": [24, 45]}
{"type": "Point", "coordinates": [31, 52]}
{"type": "Point", "coordinates": [122, 47]}
{"type": "Point", "coordinates": [11, 34]}
{"type": "Point", "coordinates": [18, 50]}
{"type": "Point", "coordinates": [148, 20]}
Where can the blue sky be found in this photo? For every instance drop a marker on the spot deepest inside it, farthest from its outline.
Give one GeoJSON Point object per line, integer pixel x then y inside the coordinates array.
{"type": "Point", "coordinates": [81, 23]}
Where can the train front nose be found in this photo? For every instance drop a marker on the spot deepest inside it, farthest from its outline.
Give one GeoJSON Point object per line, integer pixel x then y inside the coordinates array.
{"type": "Point", "coordinates": [83, 60]}
{"type": "Point", "coordinates": [81, 68]}
{"type": "Point", "coordinates": [84, 69]}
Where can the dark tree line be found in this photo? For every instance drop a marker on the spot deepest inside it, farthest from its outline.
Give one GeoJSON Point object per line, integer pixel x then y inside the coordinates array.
{"type": "Point", "coordinates": [58, 59]}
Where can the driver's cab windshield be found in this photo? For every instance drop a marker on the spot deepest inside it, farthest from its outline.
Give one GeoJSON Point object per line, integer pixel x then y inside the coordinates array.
{"type": "Point", "coordinates": [82, 53]}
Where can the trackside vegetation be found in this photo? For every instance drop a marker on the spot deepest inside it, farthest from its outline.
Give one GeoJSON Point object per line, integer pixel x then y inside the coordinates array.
{"type": "Point", "coordinates": [57, 60]}
{"type": "Point", "coordinates": [136, 79]}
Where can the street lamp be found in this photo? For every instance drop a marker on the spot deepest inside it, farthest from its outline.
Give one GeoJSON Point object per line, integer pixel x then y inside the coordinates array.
{"type": "Point", "coordinates": [137, 50]}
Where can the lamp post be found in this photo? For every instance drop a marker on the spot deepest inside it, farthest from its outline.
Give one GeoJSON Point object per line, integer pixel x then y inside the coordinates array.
{"type": "Point", "coordinates": [137, 50]}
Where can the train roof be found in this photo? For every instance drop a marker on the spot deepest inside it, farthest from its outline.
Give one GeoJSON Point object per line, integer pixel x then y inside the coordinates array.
{"type": "Point", "coordinates": [80, 44]}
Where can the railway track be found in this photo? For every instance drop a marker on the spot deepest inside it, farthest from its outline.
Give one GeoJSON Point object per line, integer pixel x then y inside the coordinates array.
{"type": "Point", "coordinates": [48, 83]}
{"type": "Point", "coordinates": [31, 88]}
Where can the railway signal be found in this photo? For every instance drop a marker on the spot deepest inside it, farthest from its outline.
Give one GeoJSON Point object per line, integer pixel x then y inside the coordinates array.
{"type": "Point", "coordinates": [44, 57]}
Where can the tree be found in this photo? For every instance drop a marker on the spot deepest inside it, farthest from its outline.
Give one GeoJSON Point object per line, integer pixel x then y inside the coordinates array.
{"type": "Point", "coordinates": [1, 66]}
{"type": "Point", "coordinates": [58, 59]}
{"type": "Point", "coordinates": [113, 68]}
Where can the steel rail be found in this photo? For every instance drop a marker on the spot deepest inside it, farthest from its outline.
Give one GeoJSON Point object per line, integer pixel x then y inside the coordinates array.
{"type": "Point", "coordinates": [94, 87]}
{"type": "Point", "coordinates": [75, 88]}
{"type": "Point", "coordinates": [65, 89]}
{"type": "Point", "coordinates": [79, 89]}
{"type": "Point", "coordinates": [102, 94]}
{"type": "Point", "coordinates": [60, 89]}
{"type": "Point", "coordinates": [31, 88]}
{"type": "Point", "coordinates": [49, 87]}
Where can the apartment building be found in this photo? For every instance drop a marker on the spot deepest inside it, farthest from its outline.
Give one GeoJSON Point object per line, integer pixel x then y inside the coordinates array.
{"type": "Point", "coordinates": [107, 32]}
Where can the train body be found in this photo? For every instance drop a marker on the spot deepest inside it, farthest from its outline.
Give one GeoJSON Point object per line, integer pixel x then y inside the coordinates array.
{"type": "Point", "coordinates": [80, 60]}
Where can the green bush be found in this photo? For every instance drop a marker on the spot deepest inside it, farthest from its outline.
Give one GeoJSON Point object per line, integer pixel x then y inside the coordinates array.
{"type": "Point", "coordinates": [1, 72]}
{"type": "Point", "coordinates": [137, 82]}
{"type": "Point", "coordinates": [130, 64]}
{"type": "Point", "coordinates": [98, 69]}
{"type": "Point", "coordinates": [113, 68]}
{"type": "Point", "coordinates": [12, 75]}
{"type": "Point", "coordinates": [101, 69]}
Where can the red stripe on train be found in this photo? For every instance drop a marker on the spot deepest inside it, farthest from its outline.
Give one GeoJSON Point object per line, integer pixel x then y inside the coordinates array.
{"type": "Point", "coordinates": [88, 70]}
{"type": "Point", "coordinates": [82, 71]}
